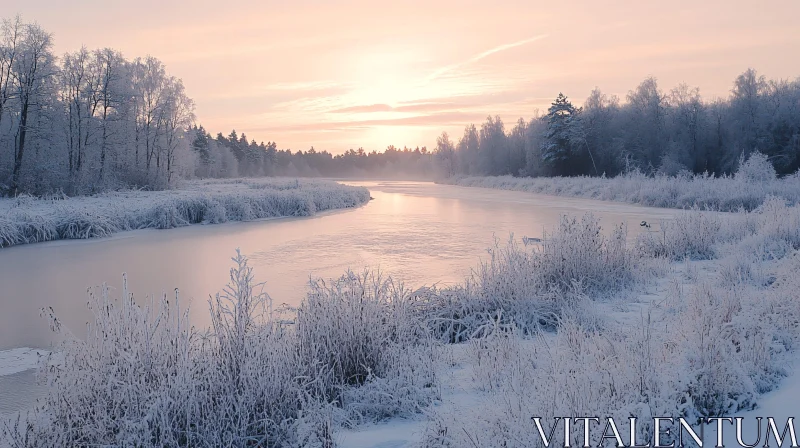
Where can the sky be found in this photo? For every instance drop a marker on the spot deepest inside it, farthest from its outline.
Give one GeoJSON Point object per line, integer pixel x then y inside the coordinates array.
{"type": "Point", "coordinates": [337, 75]}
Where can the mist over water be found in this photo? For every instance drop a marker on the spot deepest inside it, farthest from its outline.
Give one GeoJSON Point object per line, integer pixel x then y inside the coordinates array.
{"type": "Point", "coordinates": [418, 232]}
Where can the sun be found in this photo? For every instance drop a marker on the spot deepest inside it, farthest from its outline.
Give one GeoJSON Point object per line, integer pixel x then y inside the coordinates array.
{"type": "Point", "coordinates": [386, 75]}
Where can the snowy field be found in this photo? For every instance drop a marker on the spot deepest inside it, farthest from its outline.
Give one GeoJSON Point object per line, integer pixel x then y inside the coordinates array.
{"type": "Point", "coordinates": [696, 318]}
{"type": "Point", "coordinates": [20, 359]}
{"type": "Point", "coordinates": [26, 219]}
{"type": "Point", "coordinates": [747, 189]}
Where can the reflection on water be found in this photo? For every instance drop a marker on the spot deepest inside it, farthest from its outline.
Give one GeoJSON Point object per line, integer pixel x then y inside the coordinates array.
{"type": "Point", "coordinates": [418, 232]}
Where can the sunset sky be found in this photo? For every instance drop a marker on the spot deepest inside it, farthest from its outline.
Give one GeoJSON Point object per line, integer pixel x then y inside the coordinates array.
{"type": "Point", "coordinates": [339, 75]}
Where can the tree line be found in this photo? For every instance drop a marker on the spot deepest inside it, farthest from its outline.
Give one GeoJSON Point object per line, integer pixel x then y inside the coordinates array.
{"type": "Point", "coordinates": [87, 121]}
{"type": "Point", "coordinates": [92, 120]}
{"type": "Point", "coordinates": [653, 132]}
{"type": "Point", "coordinates": [234, 155]}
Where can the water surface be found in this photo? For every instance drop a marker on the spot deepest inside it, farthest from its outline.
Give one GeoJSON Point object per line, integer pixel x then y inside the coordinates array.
{"type": "Point", "coordinates": [418, 232]}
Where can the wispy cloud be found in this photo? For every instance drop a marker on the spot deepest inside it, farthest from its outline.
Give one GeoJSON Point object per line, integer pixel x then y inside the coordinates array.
{"type": "Point", "coordinates": [485, 54]}
{"type": "Point", "coordinates": [433, 120]}
{"type": "Point", "coordinates": [407, 107]}
{"type": "Point", "coordinates": [368, 108]}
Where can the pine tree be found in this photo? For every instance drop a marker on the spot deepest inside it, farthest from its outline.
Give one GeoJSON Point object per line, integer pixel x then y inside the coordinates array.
{"type": "Point", "coordinates": [200, 144]}
{"type": "Point", "coordinates": [563, 122]}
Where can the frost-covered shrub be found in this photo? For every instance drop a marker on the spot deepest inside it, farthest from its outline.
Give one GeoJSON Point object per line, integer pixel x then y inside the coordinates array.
{"type": "Point", "coordinates": [691, 234]}
{"type": "Point", "coordinates": [717, 383]}
{"type": "Point", "coordinates": [363, 330]}
{"type": "Point", "coordinates": [706, 348]}
{"type": "Point", "coordinates": [580, 252]}
{"type": "Point", "coordinates": [26, 219]}
{"type": "Point", "coordinates": [82, 224]}
{"type": "Point", "coordinates": [9, 233]}
{"type": "Point", "coordinates": [530, 288]}
{"type": "Point", "coordinates": [144, 376]}
{"type": "Point", "coordinates": [779, 221]}
{"type": "Point", "coordinates": [757, 168]}
{"type": "Point", "coordinates": [701, 191]}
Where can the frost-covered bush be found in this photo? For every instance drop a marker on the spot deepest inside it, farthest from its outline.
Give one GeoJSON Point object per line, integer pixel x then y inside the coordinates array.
{"type": "Point", "coordinates": [75, 224]}
{"type": "Point", "coordinates": [364, 330]}
{"type": "Point", "coordinates": [701, 191]}
{"type": "Point", "coordinates": [144, 376]}
{"type": "Point", "coordinates": [26, 219]}
{"type": "Point", "coordinates": [544, 338]}
{"type": "Point", "coordinates": [691, 234]}
{"type": "Point", "coordinates": [530, 288]}
{"type": "Point", "coordinates": [580, 252]}
{"type": "Point", "coordinates": [708, 346]}
{"type": "Point", "coordinates": [757, 168]}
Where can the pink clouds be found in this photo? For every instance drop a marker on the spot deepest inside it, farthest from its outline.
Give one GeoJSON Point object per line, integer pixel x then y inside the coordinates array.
{"type": "Point", "coordinates": [307, 72]}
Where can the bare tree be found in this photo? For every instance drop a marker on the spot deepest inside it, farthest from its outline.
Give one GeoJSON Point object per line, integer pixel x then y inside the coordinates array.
{"type": "Point", "coordinates": [32, 67]}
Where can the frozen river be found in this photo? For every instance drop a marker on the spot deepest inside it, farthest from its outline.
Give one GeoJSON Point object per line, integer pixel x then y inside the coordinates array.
{"type": "Point", "coordinates": [418, 232]}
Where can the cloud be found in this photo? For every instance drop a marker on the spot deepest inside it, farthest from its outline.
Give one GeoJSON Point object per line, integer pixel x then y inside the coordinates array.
{"type": "Point", "coordinates": [435, 120]}
{"type": "Point", "coordinates": [364, 109]}
{"type": "Point", "coordinates": [409, 107]}
{"type": "Point", "coordinates": [486, 53]}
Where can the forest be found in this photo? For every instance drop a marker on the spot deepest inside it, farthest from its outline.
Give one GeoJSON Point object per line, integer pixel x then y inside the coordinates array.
{"type": "Point", "coordinates": [233, 156]}
{"type": "Point", "coordinates": [93, 120]}
{"type": "Point", "coordinates": [652, 131]}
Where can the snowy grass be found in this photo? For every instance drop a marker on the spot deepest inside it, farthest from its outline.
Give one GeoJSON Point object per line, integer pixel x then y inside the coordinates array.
{"type": "Point", "coordinates": [566, 327]}
{"type": "Point", "coordinates": [143, 376]}
{"type": "Point", "coordinates": [729, 193]}
{"type": "Point", "coordinates": [529, 288]}
{"type": "Point", "coordinates": [26, 219]}
{"type": "Point", "coordinates": [716, 336]}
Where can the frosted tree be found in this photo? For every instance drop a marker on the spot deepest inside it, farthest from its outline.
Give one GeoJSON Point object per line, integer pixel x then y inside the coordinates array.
{"type": "Point", "coordinates": [647, 115]}
{"type": "Point", "coordinates": [599, 119]}
{"type": "Point", "coordinates": [559, 146]}
{"type": "Point", "coordinates": [11, 35]}
{"type": "Point", "coordinates": [113, 90]}
{"type": "Point", "coordinates": [178, 114]}
{"type": "Point", "coordinates": [517, 145]}
{"type": "Point", "coordinates": [78, 84]}
{"type": "Point", "coordinates": [686, 115]}
{"type": "Point", "coordinates": [493, 147]}
{"type": "Point", "coordinates": [746, 105]}
{"type": "Point", "coordinates": [445, 154]}
{"type": "Point", "coordinates": [468, 148]}
{"type": "Point", "coordinates": [32, 70]}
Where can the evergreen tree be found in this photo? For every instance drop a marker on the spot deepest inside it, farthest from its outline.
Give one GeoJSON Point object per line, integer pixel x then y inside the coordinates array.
{"type": "Point", "coordinates": [200, 144]}
{"type": "Point", "coordinates": [559, 148]}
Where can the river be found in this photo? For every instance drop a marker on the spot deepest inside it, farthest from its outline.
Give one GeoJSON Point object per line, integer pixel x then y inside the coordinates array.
{"type": "Point", "coordinates": [418, 232]}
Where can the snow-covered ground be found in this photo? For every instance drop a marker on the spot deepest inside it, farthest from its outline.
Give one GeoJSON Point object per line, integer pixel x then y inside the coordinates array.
{"type": "Point", "coordinates": [485, 383]}
{"type": "Point", "coordinates": [20, 359]}
{"type": "Point", "coordinates": [697, 318]}
{"type": "Point", "coordinates": [26, 219]}
{"type": "Point", "coordinates": [722, 194]}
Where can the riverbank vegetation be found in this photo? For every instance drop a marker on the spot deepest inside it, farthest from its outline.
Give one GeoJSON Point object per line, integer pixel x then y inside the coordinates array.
{"type": "Point", "coordinates": [753, 183]}
{"type": "Point", "coordinates": [694, 318]}
{"type": "Point", "coordinates": [26, 219]}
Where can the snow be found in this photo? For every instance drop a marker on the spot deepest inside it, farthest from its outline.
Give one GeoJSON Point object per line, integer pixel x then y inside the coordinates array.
{"type": "Point", "coordinates": [492, 386]}
{"type": "Point", "coordinates": [695, 319]}
{"type": "Point", "coordinates": [394, 434]}
{"type": "Point", "coordinates": [698, 191]}
{"type": "Point", "coordinates": [781, 404]}
{"type": "Point", "coordinates": [26, 219]}
{"type": "Point", "coordinates": [20, 359]}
